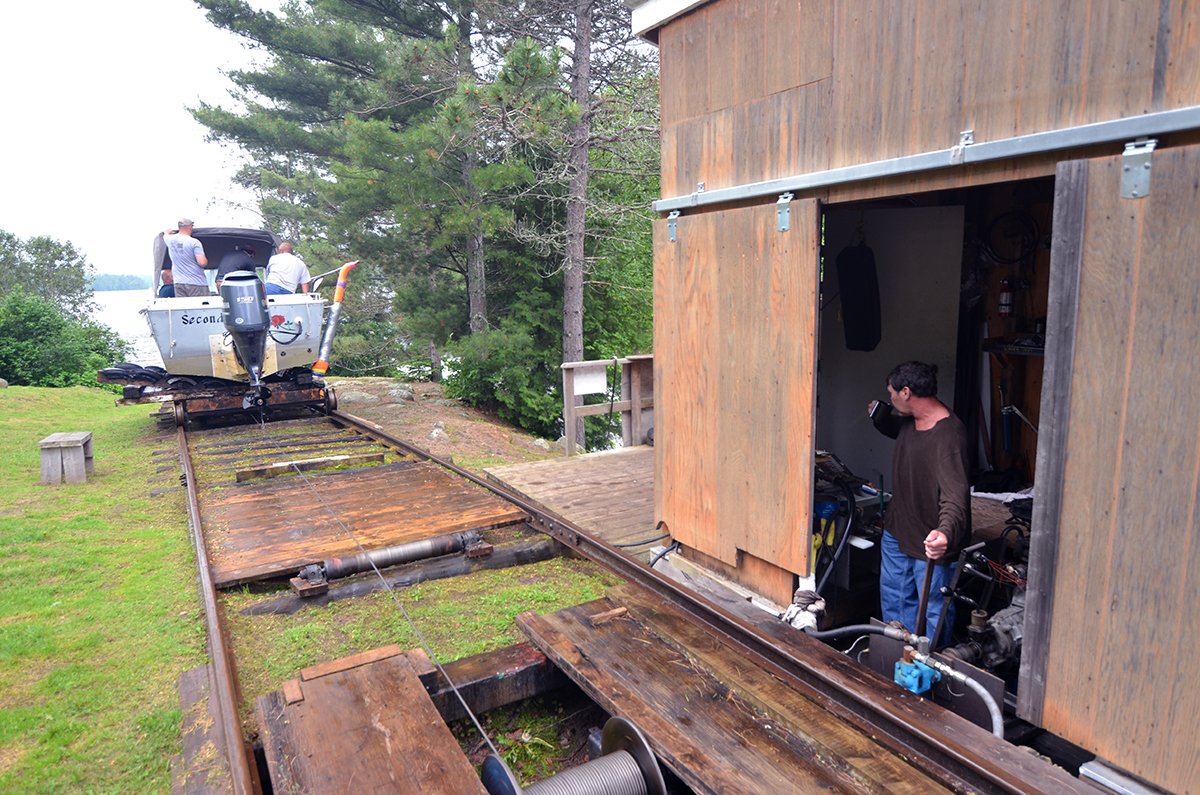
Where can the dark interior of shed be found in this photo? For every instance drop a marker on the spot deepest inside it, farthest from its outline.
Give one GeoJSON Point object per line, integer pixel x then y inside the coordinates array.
{"type": "Point", "coordinates": [962, 280]}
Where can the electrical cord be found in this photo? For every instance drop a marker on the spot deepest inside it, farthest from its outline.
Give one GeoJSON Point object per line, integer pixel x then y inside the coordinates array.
{"type": "Point", "coordinates": [664, 553]}
{"type": "Point", "coordinates": [661, 523]}
{"type": "Point", "coordinates": [845, 534]}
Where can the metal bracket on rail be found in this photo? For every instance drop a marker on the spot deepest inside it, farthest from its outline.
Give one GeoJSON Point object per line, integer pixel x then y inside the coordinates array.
{"type": "Point", "coordinates": [1135, 168]}
{"type": "Point", "coordinates": [672, 225]}
{"type": "Point", "coordinates": [958, 154]}
{"type": "Point", "coordinates": [783, 213]}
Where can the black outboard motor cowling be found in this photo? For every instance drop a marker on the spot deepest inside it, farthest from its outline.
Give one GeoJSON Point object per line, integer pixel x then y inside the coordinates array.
{"type": "Point", "coordinates": [247, 320]}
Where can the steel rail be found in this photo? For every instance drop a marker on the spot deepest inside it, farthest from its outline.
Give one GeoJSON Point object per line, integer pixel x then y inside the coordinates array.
{"type": "Point", "coordinates": [952, 749]}
{"type": "Point", "coordinates": [225, 696]}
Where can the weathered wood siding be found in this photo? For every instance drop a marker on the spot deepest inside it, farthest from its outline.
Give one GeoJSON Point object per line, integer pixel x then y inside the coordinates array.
{"type": "Point", "coordinates": [763, 89]}
{"type": "Point", "coordinates": [734, 330]}
{"type": "Point", "coordinates": [1123, 656]}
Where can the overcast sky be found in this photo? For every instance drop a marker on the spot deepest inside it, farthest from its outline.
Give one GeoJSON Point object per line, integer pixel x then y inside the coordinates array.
{"type": "Point", "coordinates": [96, 144]}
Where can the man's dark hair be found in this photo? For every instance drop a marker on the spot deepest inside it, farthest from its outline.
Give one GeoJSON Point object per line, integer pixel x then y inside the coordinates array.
{"type": "Point", "coordinates": [920, 378]}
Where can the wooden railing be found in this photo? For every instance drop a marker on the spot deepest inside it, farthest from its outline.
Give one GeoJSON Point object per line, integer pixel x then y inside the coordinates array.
{"type": "Point", "coordinates": [592, 377]}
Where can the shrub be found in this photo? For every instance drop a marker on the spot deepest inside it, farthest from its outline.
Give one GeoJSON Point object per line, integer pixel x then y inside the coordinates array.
{"type": "Point", "coordinates": [41, 346]}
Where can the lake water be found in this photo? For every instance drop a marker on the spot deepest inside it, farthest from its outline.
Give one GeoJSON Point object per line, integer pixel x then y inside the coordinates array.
{"type": "Point", "coordinates": [120, 310]}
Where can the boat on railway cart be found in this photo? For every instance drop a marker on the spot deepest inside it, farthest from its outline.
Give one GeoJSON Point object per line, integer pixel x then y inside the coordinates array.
{"type": "Point", "coordinates": [240, 350]}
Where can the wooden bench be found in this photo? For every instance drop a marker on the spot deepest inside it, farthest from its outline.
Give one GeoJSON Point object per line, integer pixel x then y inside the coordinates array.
{"type": "Point", "coordinates": [66, 456]}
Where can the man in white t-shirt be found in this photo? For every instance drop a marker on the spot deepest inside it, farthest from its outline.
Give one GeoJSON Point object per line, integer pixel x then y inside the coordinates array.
{"type": "Point", "coordinates": [284, 271]}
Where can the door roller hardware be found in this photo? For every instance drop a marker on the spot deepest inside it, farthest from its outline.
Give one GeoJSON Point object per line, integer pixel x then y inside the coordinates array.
{"type": "Point", "coordinates": [671, 225]}
{"type": "Point", "coordinates": [783, 212]}
{"type": "Point", "coordinates": [1135, 168]}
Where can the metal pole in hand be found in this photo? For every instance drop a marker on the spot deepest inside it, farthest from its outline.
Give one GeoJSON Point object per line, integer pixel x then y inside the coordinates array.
{"type": "Point", "coordinates": [924, 603]}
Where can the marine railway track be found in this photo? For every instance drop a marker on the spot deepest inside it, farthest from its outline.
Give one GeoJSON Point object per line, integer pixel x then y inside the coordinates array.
{"type": "Point", "coordinates": [729, 701]}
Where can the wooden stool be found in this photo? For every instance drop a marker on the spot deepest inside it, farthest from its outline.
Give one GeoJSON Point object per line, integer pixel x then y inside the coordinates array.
{"type": "Point", "coordinates": [66, 456]}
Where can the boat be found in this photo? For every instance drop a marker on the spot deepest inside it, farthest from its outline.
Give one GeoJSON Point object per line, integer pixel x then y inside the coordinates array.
{"type": "Point", "coordinates": [238, 351]}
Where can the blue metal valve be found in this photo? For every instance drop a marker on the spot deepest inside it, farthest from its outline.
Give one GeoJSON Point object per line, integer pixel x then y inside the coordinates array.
{"type": "Point", "coordinates": [915, 676]}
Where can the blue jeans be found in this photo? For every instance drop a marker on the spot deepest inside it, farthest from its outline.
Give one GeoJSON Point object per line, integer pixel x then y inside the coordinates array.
{"type": "Point", "coordinates": [275, 289]}
{"type": "Point", "coordinates": [900, 580]}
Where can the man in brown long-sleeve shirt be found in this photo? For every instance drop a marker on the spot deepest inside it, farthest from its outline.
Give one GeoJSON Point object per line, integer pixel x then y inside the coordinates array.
{"type": "Point", "coordinates": [929, 516]}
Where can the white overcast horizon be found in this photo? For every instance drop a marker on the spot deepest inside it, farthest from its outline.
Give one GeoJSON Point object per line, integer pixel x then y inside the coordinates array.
{"type": "Point", "coordinates": [97, 147]}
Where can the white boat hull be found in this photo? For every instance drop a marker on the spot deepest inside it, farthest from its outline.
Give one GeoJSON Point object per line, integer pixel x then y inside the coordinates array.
{"type": "Point", "coordinates": [190, 334]}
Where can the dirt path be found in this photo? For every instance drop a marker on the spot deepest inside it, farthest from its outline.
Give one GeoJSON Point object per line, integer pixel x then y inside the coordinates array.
{"type": "Point", "coordinates": [421, 414]}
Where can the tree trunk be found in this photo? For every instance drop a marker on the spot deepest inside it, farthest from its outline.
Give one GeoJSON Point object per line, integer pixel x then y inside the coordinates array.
{"type": "Point", "coordinates": [435, 363]}
{"type": "Point", "coordinates": [476, 275]}
{"type": "Point", "coordinates": [572, 342]}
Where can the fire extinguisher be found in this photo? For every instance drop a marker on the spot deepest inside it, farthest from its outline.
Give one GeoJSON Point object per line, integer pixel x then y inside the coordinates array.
{"type": "Point", "coordinates": [1006, 299]}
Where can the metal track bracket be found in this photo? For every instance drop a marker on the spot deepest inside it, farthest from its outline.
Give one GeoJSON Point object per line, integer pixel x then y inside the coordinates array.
{"type": "Point", "coordinates": [783, 212]}
{"type": "Point", "coordinates": [671, 225]}
{"type": "Point", "coordinates": [1135, 168]}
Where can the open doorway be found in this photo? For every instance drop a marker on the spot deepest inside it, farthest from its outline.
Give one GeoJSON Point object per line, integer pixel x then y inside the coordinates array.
{"type": "Point", "coordinates": [962, 279]}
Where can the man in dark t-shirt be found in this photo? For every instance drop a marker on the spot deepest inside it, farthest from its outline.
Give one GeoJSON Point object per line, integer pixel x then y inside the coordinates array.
{"type": "Point", "coordinates": [929, 516]}
{"type": "Point", "coordinates": [241, 258]}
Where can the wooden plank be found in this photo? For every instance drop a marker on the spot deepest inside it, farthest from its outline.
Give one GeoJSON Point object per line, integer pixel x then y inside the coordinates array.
{"type": "Point", "coordinates": [1053, 40]}
{"type": "Point", "coordinates": [1143, 627]}
{"type": "Point", "coordinates": [353, 661]}
{"type": "Point", "coordinates": [1134, 377]}
{"type": "Point", "coordinates": [740, 321]}
{"type": "Point", "coordinates": [780, 35]}
{"type": "Point", "coordinates": [307, 465]}
{"type": "Point", "coordinates": [1181, 84]}
{"type": "Point", "coordinates": [371, 728]}
{"type": "Point", "coordinates": [707, 734]}
{"type": "Point", "coordinates": [492, 679]}
{"type": "Point", "coordinates": [894, 116]}
{"type": "Point", "coordinates": [853, 97]}
{"type": "Point", "coordinates": [747, 58]}
{"type": "Point", "coordinates": [609, 494]}
{"type": "Point", "coordinates": [830, 737]}
{"type": "Point", "coordinates": [815, 32]}
{"type": "Point", "coordinates": [1119, 71]}
{"type": "Point", "coordinates": [1070, 205]}
{"type": "Point", "coordinates": [272, 528]}
{"type": "Point", "coordinates": [672, 73]}
{"type": "Point", "coordinates": [203, 769]}
{"type": "Point", "coordinates": [937, 116]}
{"type": "Point", "coordinates": [722, 43]}
{"type": "Point", "coordinates": [1105, 291]}
{"type": "Point", "coordinates": [696, 62]}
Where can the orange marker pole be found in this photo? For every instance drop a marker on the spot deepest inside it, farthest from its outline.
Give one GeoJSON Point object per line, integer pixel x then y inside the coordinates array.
{"type": "Point", "coordinates": [331, 328]}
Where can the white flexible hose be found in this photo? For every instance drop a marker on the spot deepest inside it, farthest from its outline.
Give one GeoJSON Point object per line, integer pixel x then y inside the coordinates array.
{"type": "Point", "coordinates": [980, 690]}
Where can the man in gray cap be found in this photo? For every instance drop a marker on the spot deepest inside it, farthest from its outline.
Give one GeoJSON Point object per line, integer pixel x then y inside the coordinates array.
{"type": "Point", "coordinates": [187, 262]}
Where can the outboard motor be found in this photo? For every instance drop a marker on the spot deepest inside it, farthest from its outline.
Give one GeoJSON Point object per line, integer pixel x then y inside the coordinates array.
{"type": "Point", "coordinates": [248, 322]}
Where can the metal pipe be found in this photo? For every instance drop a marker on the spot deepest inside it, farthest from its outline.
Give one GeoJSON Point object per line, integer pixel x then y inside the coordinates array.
{"type": "Point", "coordinates": [331, 327]}
{"type": "Point", "coordinates": [1147, 124]}
{"type": "Point", "coordinates": [448, 544]}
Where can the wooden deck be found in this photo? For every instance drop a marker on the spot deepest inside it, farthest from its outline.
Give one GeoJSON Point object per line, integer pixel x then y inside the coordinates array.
{"type": "Point", "coordinates": [610, 494]}
{"type": "Point", "coordinates": [722, 724]}
{"type": "Point", "coordinates": [362, 724]}
{"type": "Point", "coordinates": [272, 528]}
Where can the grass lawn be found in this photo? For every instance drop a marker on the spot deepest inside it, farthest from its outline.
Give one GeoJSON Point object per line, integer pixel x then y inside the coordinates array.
{"type": "Point", "coordinates": [99, 611]}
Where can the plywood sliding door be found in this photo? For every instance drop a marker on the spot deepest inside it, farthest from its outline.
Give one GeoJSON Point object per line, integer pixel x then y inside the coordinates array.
{"type": "Point", "coordinates": [734, 332]}
{"type": "Point", "coordinates": [1112, 643]}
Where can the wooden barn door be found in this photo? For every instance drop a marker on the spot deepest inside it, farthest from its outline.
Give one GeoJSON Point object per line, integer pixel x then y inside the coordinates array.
{"type": "Point", "coordinates": [1112, 643]}
{"type": "Point", "coordinates": [735, 303]}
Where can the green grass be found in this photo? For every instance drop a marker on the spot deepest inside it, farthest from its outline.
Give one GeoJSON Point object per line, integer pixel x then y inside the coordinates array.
{"type": "Point", "coordinates": [457, 617]}
{"type": "Point", "coordinates": [99, 612]}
